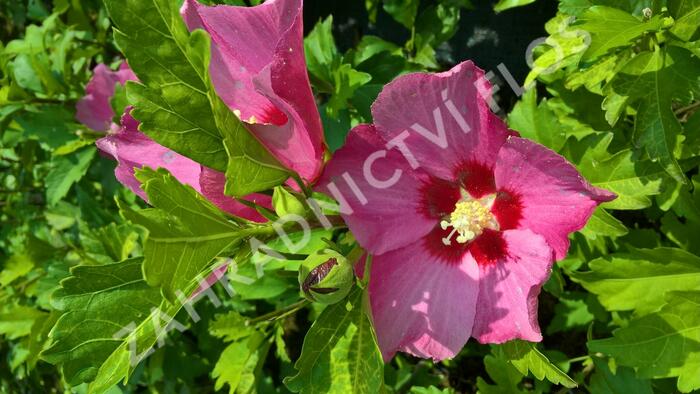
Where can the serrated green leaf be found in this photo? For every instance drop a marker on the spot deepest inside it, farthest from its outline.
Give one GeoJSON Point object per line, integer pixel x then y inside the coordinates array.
{"type": "Point", "coordinates": [66, 171]}
{"type": "Point", "coordinates": [251, 168]}
{"type": "Point", "coordinates": [503, 373]}
{"type": "Point", "coordinates": [340, 352]}
{"type": "Point", "coordinates": [563, 47]}
{"type": "Point", "coordinates": [172, 102]}
{"type": "Point", "coordinates": [525, 357]}
{"type": "Point", "coordinates": [230, 326]}
{"type": "Point", "coordinates": [603, 223]}
{"type": "Point", "coordinates": [632, 179]}
{"type": "Point", "coordinates": [185, 233]}
{"type": "Point", "coordinates": [652, 82]}
{"type": "Point", "coordinates": [110, 320]}
{"type": "Point", "coordinates": [537, 122]}
{"type": "Point", "coordinates": [687, 18]}
{"type": "Point", "coordinates": [638, 280]}
{"type": "Point", "coordinates": [662, 344]}
{"type": "Point", "coordinates": [612, 28]}
{"type": "Point", "coordinates": [622, 381]}
{"type": "Point", "coordinates": [237, 364]}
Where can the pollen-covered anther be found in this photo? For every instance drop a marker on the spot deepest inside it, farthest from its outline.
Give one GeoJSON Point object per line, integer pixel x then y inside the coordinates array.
{"type": "Point", "coordinates": [468, 220]}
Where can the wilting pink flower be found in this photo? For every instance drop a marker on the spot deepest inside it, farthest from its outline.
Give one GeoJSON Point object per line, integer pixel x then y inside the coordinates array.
{"type": "Point", "coordinates": [463, 217]}
{"type": "Point", "coordinates": [258, 69]}
{"type": "Point", "coordinates": [132, 149]}
{"type": "Point", "coordinates": [95, 110]}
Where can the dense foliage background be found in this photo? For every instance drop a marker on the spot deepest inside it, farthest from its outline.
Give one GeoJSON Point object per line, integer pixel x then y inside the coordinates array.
{"type": "Point", "coordinates": [616, 89]}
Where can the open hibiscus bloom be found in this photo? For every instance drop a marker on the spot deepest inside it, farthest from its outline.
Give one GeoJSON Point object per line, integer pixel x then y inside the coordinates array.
{"type": "Point", "coordinates": [463, 217]}
{"type": "Point", "coordinates": [133, 149]}
{"type": "Point", "coordinates": [259, 71]}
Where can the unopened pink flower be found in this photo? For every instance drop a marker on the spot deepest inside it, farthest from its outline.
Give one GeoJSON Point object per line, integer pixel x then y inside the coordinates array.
{"type": "Point", "coordinates": [463, 217]}
{"type": "Point", "coordinates": [95, 110]}
{"type": "Point", "coordinates": [259, 71]}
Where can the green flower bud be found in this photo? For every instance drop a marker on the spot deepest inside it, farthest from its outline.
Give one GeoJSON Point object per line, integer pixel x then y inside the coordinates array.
{"type": "Point", "coordinates": [326, 277]}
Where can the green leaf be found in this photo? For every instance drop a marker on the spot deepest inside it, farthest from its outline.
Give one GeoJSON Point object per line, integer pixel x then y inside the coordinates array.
{"type": "Point", "coordinates": [110, 320]}
{"type": "Point", "coordinates": [596, 74]}
{"type": "Point", "coordinates": [340, 352]}
{"type": "Point", "coordinates": [662, 344]}
{"type": "Point", "coordinates": [403, 11]}
{"type": "Point", "coordinates": [230, 326]}
{"type": "Point", "coordinates": [336, 128]}
{"type": "Point", "coordinates": [503, 5]}
{"type": "Point", "coordinates": [16, 321]}
{"type": "Point", "coordinates": [503, 373]}
{"type": "Point", "coordinates": [321, 53]}
{"type": "Point", "coordinates": [15, 267]}
{"type": "Point", "coordinates": [172, 102]}
{"type": "Point", "coordinates": [612, 28]}
{"type": "Point", "coordinates": [638, 280]}
{"type": "Point", "coordinates": [251, 168]}
{"type": "Point", "coordinates": [51, 125]}
{"type": "Point", "coordinates": [570, 313]}
{"type": "Point", "coordinates": [329, 71]}
{"type": "Point", "coordinates": [438, 23]}
{"type": "Point", "coordinates": [65, 171]}
{"type": "Point", "coordinates": [687, 18]}
{"type": "Point", "coordinates": [604, 381]}
{"type": "Point", "coordinates": [237, 363]}
{"type": "Point", "coordinates": [632, 179]}
{"type": "Point", "coordinates": [185, 233]}
{"type": "Point", "coordinates": [603, 223]}
{"type": "Point", "coordinates": [346, 80]}
{"type": "Point", "coordinates": [537, 122]}
{"type": "Point", "coordinates": [563, 47]}
{"type": "Point", "coordinates": [368, 47]}
{"type": "Point", "coordinates": [525, 357]}
{"type": "Point", "coordinates": [652, 82]}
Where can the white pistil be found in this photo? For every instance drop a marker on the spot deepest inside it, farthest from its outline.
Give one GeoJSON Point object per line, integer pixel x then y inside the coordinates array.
{"type": "Point", "coordinates": [469, 219]}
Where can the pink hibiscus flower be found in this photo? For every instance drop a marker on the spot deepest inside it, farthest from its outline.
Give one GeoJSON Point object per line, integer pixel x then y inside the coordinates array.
{"type": "Point", "coordinates": [94, 110]}
{"type": "Point", "coordinates": [259, 71]}
{"type": "Point", "coordinates": [132, 149]}
{"type": "Point", "coordinates": [463, 217]}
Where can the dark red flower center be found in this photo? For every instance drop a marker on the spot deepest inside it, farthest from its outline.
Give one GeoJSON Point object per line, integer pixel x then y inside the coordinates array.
{"type": "Point", "coordinates": [442, 199]}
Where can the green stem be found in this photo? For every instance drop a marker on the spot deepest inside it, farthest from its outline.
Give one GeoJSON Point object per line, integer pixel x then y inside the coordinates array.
{"type": "Point", "coordinates": [268, 214]}
{"type": "Point", "coordinates": [278, 314]}
{"type": "Point", "coordinates": [579, 359]}
{"type": "Point", "coordinates": [304, 188]}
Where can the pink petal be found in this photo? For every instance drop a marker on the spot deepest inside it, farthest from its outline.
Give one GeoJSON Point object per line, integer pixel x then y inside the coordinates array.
{"type": "Point", "coordinates": [133, 149]}
{"type": "Point", "coordinates": [95, 110]}
{"type": "Point", "coordinates": [421, 306]}
{"type": "Point", "coordinates": [554, 199]}
{"type": "Point", "coordinates": [258, 68]}
{"type": "Point", "coordinates": [210, 281]}
{"type": "Point", "coordinates": [508, 290]}
{"type": "Point", "coordinates": [382, 218]}
{"type": "Point", "coordinates": [420, 102]}
{"type": "Point", "coordinates": [212, 184]}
